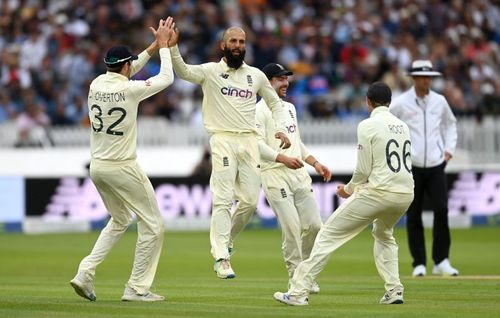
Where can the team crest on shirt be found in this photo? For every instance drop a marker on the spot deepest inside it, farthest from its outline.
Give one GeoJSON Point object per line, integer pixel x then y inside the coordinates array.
{"type": "Point", "coordinates": [249, 80]}
{"type": "Point", "coordinates": [283, 193]}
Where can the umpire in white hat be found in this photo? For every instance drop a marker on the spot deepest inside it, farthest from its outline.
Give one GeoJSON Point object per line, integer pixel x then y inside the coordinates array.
{"type": "Point", "coordinates": [433, 139]}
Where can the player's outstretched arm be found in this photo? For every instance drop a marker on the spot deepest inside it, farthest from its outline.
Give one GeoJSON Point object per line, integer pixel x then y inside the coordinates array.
{"type": "Point", "coordinates": [187, 72]}
{"type": "Point", "coordinates": [144, 57]}
{"type": "Point", "coordinates": [145, 89]}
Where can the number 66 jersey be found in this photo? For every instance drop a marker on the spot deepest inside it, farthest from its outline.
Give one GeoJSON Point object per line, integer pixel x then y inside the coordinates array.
{"type": "Point", "coordinates": [384, 154]}
{"type": "Point", "coordinates": [113, 101]}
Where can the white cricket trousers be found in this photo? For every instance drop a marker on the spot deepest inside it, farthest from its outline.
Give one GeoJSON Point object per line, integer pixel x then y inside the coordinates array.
{"type": "Point", "coordinates": [125, 189]}
{"type": "Point", "coordinates": [290, 194]}
{"type": "Point", "coordinates": [235, 176]}
{"type": "Point", "coordinates": [365, 206]}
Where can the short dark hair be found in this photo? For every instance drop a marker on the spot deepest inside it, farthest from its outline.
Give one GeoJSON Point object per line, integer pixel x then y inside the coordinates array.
{"type": "Point", "coordinates": [379, 94]}
{"type": "Point", "coordinates": [115, 69]}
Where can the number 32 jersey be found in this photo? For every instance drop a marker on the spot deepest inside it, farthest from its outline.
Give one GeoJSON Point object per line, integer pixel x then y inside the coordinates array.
{"type": "Point", "coordinates": [384, 154]}
{"type": "Point", "coordinates": [113, 101]}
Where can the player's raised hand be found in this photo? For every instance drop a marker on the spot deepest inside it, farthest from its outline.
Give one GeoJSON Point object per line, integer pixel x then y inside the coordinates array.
{"type": "Point", "coordinates": [164, 31]}
{"type": "Point", "coordinates": [174, 39]}
{"type": "Point", "coordinates": [285, 142]}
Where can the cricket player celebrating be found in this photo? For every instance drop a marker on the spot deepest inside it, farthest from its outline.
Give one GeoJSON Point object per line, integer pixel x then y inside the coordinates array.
{"type": "Point", "coordinates": [124, 187]}
{"type": "Point", "coordinates": [380, 191]}
{"type": "Point", "coordinates": [286, 182]}
{"type": "Point", "coordinates": [230, 88]}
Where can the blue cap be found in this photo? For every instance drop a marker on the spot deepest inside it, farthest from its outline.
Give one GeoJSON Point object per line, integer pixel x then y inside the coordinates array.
{"type": "Point", "coordinates": [118, 55]}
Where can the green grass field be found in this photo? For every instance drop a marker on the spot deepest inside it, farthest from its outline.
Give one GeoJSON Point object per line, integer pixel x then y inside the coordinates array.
{"type": "Point", "coordinates": [35, 271]}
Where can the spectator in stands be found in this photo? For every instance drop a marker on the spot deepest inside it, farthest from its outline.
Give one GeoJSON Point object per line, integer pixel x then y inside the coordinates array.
{"type": "Point", "coordinates": [13, 77]}
{"type": "Point", "coordinates": [32, 123]}
{"type": "Point", "coordinates": [7, 107]}
{"type": "Point", "coordinates": [325, 38]}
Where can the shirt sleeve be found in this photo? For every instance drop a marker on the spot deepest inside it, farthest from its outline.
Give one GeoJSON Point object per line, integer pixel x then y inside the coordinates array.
{"type": "Point", "coordinates": [303, 151]}
{"type": "Point", "coordinates": [191, 73]}
{"type": "Point", "coordinates": [266, 152]}
{"type": "Point", "coordinates": [364, 162]}
{"type": "Point", "coordinates": [449, 128]}
{"type": "Point", "coordinates": [275, 104]}
{"type": "Point", "coordinates": [151, 86]}
{"type": "Point", "coordinates": [138, 64]}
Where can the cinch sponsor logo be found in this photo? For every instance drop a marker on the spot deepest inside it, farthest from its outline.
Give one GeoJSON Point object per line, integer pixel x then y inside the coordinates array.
{"type": "Point", "coordinates": [236, 92]}
{"type": "Point", "coordinates": [291, 129]}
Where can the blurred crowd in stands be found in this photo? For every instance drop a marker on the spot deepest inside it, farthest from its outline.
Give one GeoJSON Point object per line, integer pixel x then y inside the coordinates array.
{"type": "Point", "coordinates": [50, 51]}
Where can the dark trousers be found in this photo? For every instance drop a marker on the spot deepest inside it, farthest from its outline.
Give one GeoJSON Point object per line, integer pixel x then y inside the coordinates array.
{"type": "Point", "coordinates": [431, 181]}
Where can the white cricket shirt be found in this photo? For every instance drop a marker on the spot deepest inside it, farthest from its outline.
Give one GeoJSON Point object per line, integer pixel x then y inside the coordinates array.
{"type": "Point", "coordinates": [269, 146]}
{"type": "Point", "coordinates": [384, 154]}
{"type": "Point", "coordinates": [113, 101]}
{"type": "Point", "coordinates": [230, 94]}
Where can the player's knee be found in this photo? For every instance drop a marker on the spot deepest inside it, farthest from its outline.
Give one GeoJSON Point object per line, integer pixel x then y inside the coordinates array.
{"type": "Point", "coordinates": [120, 226]}
{"type": "Point", "coordinates": [315, 227]}
{"type": "Point", "coordinates": [221, 203]}
{"type": "Point", "coordinates": [247, 204]}
{"type": "Point", "coordinates": [157, 230]}
{"type": "Point", "coordinates": [381, 234]}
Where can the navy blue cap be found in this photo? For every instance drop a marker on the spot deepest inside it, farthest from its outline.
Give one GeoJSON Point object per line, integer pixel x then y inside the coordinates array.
{"type": "Point", "coordinates": [118, 55]}
{"type": "Point", "coordinates": [273, 70]}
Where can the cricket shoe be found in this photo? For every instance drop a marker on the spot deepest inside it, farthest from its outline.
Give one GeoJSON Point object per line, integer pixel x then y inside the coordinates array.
{"type": "Point", "coordinates": [223, 269]}
{"type": "Point", "coordinates": [314, 288]}
{"type": "Point", "coordinates": [444, 268]}
{"type": "Point", "coordinates": [131, 295]}
{"type": "Point", "coordinates": [291, 300]}
{"type": "Point", "coordinates": [83, 287]}
{"type": "Point", "coordinates": [393, 297]}
{"type": "Point", "coordinates": [419, 271]}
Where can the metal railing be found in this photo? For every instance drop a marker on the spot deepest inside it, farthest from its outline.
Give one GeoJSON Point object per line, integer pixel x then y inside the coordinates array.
{"type": "Point", "coordinates": [481, 140]}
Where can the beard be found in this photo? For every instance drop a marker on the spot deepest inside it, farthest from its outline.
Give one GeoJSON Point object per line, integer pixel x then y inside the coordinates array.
{"type": "Point", "coordinates": [234, 61]}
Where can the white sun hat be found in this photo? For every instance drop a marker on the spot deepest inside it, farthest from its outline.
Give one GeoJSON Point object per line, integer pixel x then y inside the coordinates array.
{"type": "Point", "coordinates": [422, 68]}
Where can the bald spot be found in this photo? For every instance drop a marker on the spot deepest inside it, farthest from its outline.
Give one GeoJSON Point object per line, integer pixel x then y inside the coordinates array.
{"type": "Point", "coordinates": [232, 32]}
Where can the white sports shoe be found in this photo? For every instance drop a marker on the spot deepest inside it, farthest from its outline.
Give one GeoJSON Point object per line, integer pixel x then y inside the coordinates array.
{"type": "Point", "coordinates": [223, 269]}
{"type": "Point", "coordinates": [131, 295]}
{"type": "Point", "coordinates": [393, 296]}
{"type": "Point", "coordinates": [315, 288]}
{"type": "Point", "coordinates": [444, 268]}
{"type": "Point", "coordinates": [83, 287]}
{"type": "Point", "coordinates": [419, 271]}
{"type": "Point", "coordinates": [291, 300]}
